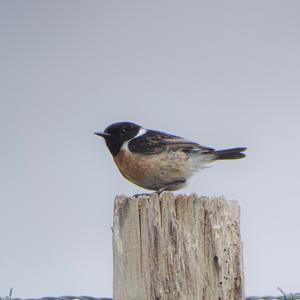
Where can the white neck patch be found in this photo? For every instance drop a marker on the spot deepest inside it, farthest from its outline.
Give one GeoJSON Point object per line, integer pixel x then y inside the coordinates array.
{"type": "Point", "coordinates": [141, 132]}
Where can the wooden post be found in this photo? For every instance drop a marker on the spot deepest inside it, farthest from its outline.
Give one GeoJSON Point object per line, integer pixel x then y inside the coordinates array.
{"type": "Point", "coordinates": [177, 248]}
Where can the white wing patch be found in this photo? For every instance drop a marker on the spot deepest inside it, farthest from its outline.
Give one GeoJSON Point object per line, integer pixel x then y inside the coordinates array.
{"type": "Point", "coordinates": [142, 131]}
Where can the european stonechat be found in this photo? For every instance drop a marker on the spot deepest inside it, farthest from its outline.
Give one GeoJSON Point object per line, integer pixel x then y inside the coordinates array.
{"type": "Point", "coordinates": [156, 160]}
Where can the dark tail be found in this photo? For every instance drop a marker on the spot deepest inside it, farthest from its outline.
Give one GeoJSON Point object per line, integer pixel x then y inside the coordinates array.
{"type": "Point", "coordinates": [234, 153]}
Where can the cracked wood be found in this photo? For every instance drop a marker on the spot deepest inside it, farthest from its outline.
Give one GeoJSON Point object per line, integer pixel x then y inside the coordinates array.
{"type": "Point", "coordinates": [177, 247]}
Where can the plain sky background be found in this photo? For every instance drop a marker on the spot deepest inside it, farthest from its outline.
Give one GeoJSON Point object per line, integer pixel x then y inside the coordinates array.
{"type": "Point", "coordinates": [222, 73]}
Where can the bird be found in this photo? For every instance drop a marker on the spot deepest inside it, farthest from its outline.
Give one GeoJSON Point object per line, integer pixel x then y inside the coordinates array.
{"type": "Point", "coordinates": [159, 161]}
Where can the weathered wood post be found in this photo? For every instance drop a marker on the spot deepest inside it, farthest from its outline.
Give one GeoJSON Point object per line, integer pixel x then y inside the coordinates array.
{"type": "Point", "coordinates": [177, 247]}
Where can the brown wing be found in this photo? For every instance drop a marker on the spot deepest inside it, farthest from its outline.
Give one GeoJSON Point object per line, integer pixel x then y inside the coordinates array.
{"type": "Point", "coordinates": [156, 142]}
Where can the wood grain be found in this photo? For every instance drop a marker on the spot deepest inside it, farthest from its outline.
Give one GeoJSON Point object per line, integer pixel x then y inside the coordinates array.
{"type": "Point", "coordinates": [177, 247]}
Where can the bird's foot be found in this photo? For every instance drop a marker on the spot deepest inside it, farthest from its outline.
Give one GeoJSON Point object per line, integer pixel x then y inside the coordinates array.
{"type": "Point", "coordinates": [141, 195]}
{"type": "Point", "coordinates": [147, 194]}
{"type": "Point", "coordinates": [169, 187]}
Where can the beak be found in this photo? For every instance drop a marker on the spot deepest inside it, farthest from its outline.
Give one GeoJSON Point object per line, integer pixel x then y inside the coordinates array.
{"type": "Point", "coordinates": [102, 134]}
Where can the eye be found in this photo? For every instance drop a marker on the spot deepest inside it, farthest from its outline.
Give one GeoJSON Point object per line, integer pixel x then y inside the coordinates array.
{"type": "Point", "coordinates": [123, 131]}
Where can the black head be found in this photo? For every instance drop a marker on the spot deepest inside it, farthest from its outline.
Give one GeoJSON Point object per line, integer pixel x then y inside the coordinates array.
{"type": "Point", "coordinates": [116, 134]}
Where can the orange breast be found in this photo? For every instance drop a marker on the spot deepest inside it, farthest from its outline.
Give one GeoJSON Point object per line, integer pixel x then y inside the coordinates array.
{"type": "Point", "coordinates": [132, 166]}
{"type": "Point", "coordinates": [152, 171]}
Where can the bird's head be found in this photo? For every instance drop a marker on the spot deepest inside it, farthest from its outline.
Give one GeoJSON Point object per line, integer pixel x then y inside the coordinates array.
{"type": "Point", "coordinates": [117, 134]}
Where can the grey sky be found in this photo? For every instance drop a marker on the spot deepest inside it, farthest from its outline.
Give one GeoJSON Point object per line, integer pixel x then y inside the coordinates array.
{"type": "Point", "coordinates": [223, 73]}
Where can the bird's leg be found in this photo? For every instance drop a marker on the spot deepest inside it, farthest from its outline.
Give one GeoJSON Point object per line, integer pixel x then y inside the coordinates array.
{"type": "Point", "coordinates": [163, 189]}
{"type": "Point", "coordinates": [142, 194]}
{"type": "Point", "coordinates": [166, 187]}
